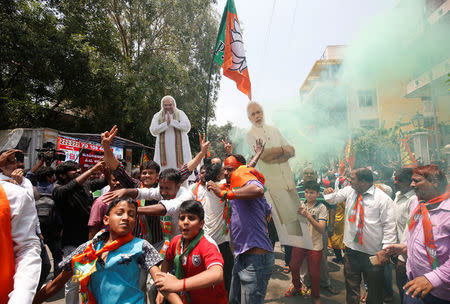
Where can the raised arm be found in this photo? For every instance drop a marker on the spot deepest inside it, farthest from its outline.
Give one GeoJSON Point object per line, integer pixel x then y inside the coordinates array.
{"type": "Point", "coordinates": [204, 146]}
{"type": "Point", "coordinates": [259, 150]}
{"type": "Point", "coordinates": [82, 178]}
{"type": "Point", "coordinates": [107, 138]}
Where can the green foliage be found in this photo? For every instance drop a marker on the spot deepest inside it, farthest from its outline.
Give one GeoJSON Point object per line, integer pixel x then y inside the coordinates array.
{"type": "Point", "coordinates": [376, 148]}
{"type": "Point", "coordinates": [215, 135]}
{"type": "Point", "coordinates": [89, 64]}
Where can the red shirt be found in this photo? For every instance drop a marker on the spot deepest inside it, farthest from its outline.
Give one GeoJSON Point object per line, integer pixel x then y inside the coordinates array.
{"type": "Point", "coordinates": [203, 256]}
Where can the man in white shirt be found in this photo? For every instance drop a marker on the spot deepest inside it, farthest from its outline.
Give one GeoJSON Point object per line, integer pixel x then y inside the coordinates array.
{"type": "Point", "coordinates": [19, 244]}
{"type": "Point", "coordinates": [369, 228]}
{"type": "Point", "coordinates": [404, 198]}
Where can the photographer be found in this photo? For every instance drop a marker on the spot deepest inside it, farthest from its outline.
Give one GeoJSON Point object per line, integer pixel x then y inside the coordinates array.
{"type": "Point", "coordinates": [73, 198]}
{"type": "Point", "coordinates": [46, 157]}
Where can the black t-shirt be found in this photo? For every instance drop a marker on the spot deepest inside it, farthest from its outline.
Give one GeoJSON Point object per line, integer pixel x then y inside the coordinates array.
{"type": "Point", "coordinates": [74, 202]}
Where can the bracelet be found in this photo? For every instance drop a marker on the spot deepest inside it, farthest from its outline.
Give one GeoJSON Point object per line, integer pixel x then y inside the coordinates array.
{"type": "Point", "coordinates": [229, 195]}
{"type": "Point", "coordinates": [184, 284]}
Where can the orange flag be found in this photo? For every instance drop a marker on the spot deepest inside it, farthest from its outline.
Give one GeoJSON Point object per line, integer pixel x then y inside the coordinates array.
{"type": "Point", "coordinates": [229, 52]}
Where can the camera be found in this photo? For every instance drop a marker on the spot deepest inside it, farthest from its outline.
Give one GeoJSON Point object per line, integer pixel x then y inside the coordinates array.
{"type": "Point", "coordinates": [49, 153]}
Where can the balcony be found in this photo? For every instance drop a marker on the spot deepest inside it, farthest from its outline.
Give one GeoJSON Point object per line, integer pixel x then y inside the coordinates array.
{"type": "Point", "coordinates": [420, 86]}
{"type": "Point", "coordinates": [440, 11]}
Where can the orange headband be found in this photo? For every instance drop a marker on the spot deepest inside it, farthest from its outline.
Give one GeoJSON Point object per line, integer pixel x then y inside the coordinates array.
{"type": "Point", "coordinates": [232, 161]}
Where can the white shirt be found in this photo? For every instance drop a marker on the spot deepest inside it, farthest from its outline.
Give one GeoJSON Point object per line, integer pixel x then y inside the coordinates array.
{"type": "Point", "coordinates": [27, 185]}
{"type": "Point", "coordinates": [26, 245]}
{"type": "Point", "coordinates": [379, 220]}
{"type": "Point", "coordinates": [402, 205]}
{"type": "Point", "coordinates": [172, 206]}
{"type": "Point", "coordinates": [214, 221]}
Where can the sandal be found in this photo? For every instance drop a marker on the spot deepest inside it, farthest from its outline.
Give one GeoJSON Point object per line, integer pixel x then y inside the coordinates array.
{"type": "Point", "coordinates": [286, 269]}
{"type": "Point", "coordinates": [305, 291]}
{"type": "Point", "coordinates": [290, 292]}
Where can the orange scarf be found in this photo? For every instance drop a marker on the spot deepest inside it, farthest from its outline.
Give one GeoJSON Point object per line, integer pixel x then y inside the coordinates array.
{"type": "Point", "coordinates": [421, 209]}
{"type": "Point", "coordinates": [352, 218]}
{"type": "Point", "coordinates": [83, 264]}
{"type": "Point", "coordinates": [6, 248]}
{"type": "Point", "coordinates": [243, 175]}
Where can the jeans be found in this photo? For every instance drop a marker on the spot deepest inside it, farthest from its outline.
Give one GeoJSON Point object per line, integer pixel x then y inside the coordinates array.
{"type": "Point", "coordinates": [251, 274]}
{"type": "Point", "coordinates": [428, 299]}
{"type": "Point", "coordinates": [388, 287]}
{"type": "Point", "coordinates": [313, 258]}
{"type": "Point", "coordinates": [401, 278]}
{"type": "Point", "coordinates": [71, 289]}
{"type": "Point", "coordinates": [356, 263]}
{"type": "Point", "coordinates": [228, 261]}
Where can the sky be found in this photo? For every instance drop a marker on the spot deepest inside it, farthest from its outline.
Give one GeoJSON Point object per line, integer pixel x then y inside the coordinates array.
{"type": "Point", "coordinates": [282, 40]}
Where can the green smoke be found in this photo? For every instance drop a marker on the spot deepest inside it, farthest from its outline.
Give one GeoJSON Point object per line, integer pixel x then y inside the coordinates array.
{"type": "Point", "coordinates": [385, 54]}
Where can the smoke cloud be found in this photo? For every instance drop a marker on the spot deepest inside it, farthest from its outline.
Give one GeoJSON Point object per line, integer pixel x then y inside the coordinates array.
{"type": "Point", "coordinates": [386, 53]}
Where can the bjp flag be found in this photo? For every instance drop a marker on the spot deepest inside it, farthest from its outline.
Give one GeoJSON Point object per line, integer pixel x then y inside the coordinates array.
{"type": "Point", "coordinates": [229, 52]}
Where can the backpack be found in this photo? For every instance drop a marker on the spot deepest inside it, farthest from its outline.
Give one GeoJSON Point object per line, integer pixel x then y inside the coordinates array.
{"type": "Point", "coordinates": [45, 207]}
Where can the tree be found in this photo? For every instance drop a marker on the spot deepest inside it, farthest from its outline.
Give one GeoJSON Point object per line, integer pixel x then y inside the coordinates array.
{"type": "Point", "coordinates": [375, 147]}
{"type": "Point", "coordinates": [105, 62]}
{"type": "Point", "coordinates": [215, 135]}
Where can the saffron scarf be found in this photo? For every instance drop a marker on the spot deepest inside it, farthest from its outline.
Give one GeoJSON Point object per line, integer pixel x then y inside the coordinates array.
{"type": "Point", "coordinates": [166, 227]}
{"type": "Point", "coordinates": [143, 223]}
{"type": "Point", "coordinates": [178, 142]}
{"type": "Point", "coordinates": [6, 248]}
{"type": "Point", "coordinates": [84, 264]}
{"type": "Point", "coordinates": [180, 254]}
{"type": "Point", "coordinates": [243, 175]}
{"type": "Point", "coordinates": [226, 215]}
{"type": "Point", "coordinates": [352, 218]}
{"type": "Point", "coordinates": [239, 177]}
{"type": "Point", "coordinates": [421, 209]}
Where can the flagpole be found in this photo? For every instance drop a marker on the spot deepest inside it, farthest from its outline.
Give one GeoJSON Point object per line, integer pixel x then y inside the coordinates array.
{"type": "Point", "coordinates": [207, 96]}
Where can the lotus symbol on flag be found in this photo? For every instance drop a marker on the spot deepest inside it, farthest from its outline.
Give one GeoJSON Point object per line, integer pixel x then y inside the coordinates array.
{"type": "Point", "coordinates": [237, 48]}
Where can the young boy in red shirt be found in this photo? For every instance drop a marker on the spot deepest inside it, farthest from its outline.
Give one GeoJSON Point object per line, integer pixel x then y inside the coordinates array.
{"type": "Point", "coordinates": [196, 259]}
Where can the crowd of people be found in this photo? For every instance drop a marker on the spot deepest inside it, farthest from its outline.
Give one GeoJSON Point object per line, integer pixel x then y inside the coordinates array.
{"type": "Point", "coordinates": [161, 238]}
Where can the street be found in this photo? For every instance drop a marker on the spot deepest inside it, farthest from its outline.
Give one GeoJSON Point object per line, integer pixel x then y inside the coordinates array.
{"type": "Point", "coordinates": [280, 281]}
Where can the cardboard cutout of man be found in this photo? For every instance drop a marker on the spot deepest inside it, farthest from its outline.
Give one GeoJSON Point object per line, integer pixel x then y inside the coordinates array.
{"type": "Point", "coordinates": [170, 126]}
{"type": "Point", "coordinates": [292, 228]}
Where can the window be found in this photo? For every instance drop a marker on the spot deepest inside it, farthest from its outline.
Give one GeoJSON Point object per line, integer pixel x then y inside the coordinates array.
{"type": "Point", "coordinates": [369, 123]}
{"type": "Point", "coordinates": [367, 98]}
